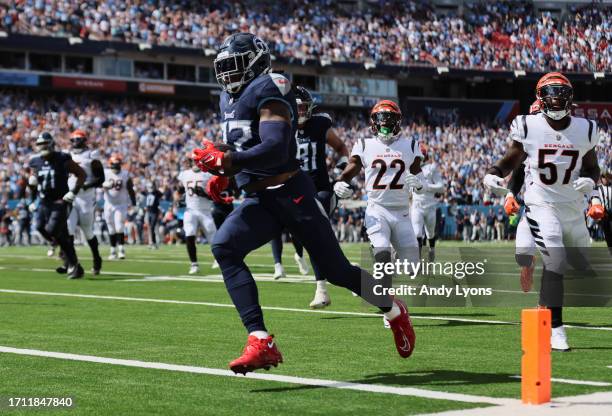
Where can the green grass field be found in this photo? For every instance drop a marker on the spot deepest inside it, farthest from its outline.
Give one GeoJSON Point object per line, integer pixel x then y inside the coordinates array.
{"type": "Point", "coordinates": [114, 315]}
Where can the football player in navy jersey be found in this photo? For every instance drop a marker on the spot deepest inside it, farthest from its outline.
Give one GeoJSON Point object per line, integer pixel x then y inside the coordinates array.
{"type": "Point", "coordinates": [48, 180]}
{"type": "Point", "coordinates": [259, 122]}
{"type": "Point", "coordinates": [314, 132]}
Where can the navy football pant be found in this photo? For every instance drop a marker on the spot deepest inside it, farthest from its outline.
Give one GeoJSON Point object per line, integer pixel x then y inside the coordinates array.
{"type": "Point", "coordinates": [329, 202]}
{"type": "Point", "coordinates": [52, 224]}
{"type": "Point", "coordinates": [261, 217]}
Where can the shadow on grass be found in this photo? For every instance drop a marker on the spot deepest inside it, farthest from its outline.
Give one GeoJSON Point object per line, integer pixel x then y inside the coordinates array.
{"type": "Point", "coordinates": [431, 378]}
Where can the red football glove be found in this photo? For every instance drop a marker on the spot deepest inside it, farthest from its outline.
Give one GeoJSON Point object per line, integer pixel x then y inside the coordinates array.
{"type": "Point", "coordinates": [208, 158]}
{"type": "Point", "coordinates": [215, 186]}
{"type": "Point", "coordinates": [596, 210]}
{"type": "Point", "coordinates": [511, 206]}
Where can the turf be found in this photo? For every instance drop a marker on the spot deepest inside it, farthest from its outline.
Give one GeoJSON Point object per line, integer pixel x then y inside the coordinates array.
{"type": "Point", "coordinates": [452, 356]}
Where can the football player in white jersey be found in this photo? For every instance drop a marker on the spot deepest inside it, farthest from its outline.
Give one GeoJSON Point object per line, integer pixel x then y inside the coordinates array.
{"type": "Point", "coordinates": [198, 212]}
{"type": "Point", "coordinates": [562, 165]}
{"type": "Point", "coordinates": [118, 192]}
{"type": "Point", "coordinates": [525, 244]}
{"type": "Point", "coordinates": [82, 213]}
{"type": "Point", "coordinates": [423, 211]}
{"type": "Point", "coordinates": [392, 166]}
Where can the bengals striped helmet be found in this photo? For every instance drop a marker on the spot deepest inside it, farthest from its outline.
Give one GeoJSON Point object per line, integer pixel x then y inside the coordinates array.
{"type": "Point", "coordinates": [555, 93]}
{"type": "Point", "coordinates": [115, 162]}
{"type": "Point", "coordinates": [78, 139]}
{"type": "Point", "coordinates": [386, 119]}
{"type": "Point", "coordinates": [535, 107]}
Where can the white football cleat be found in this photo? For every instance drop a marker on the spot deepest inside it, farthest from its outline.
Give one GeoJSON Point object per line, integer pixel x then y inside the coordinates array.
{"type": "Point", "coordinates": [302, 264]}
{"type": "Point", "coordinates": [121, 253]}
{"type": "Point", "coordinates": [279, 271]}
{"type": "Point", "coordinates": [558, 339]}
{"type": "Point", "coordinates": [321, 300]}
{"type": "Point", "coordinates": [51, 252]}
{"type": "Point", "coordinates": [113, 254]}
{"type": "Point", "coordinates": [215, 265]}
{"type": "Point", "coordinates": [194, 269]}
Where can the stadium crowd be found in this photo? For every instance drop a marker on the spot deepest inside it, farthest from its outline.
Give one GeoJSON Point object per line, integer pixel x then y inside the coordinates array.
{"type": "Point", "coordinates": [487, 35]}
{"type": "Point", "coordinates": [154, 137]}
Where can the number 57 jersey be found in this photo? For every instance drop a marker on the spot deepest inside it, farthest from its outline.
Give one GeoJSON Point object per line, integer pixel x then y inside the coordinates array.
{"type": "Point", "coordinates": [554, 156]}
{"type": "Point", "coordinates": [386, 167]}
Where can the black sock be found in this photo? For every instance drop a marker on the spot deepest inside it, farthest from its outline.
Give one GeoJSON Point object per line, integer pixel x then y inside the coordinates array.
{"type": "Point", "coordinates": [299, 248]}
{"type": "Point", "coordinates": [432, 242]}
{"type": "Point", "coordinates": [93, 245]}
{"type": "Point", "coordinates": [113, 240]}
{"type": "Point", "coordinates": [556, 315]}
{"type": "Point", "coordinates": [551, 289]}
{"type": "Point", "coordinates": [277, 249]}
{"type": "Point", "coordinates": [386, 281]}
{"type": "Point", "coordinates": [420, 240]}
{"type": "Point", "coordinates": [191, 248]}
{"type": "Point", "coordinates": [67, 246]}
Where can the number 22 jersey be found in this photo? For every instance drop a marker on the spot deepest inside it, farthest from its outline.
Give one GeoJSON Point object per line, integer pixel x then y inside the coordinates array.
{"type": "Point", "coordinates": [554, 157]}
{"type": "Point", "coordinates": [386, 167]}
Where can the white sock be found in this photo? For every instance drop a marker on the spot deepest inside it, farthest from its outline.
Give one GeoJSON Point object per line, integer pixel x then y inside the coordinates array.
{"type": "Point", "coordinates": [121, 247]}
{"type": "Point", "coordinates": [194, 264]}
{"type": "Point", "coordinates": [394, 312]}
{"type": "Point", "coordinates": [321, 285]}
{"type": "Point", "coordinates": [260, 334]}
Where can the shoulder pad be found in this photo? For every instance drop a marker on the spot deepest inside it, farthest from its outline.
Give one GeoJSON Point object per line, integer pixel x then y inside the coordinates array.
{"type": "Point", "coordinates": [282, 83]}
{"type": "Point", "coordinates": [324, 115]}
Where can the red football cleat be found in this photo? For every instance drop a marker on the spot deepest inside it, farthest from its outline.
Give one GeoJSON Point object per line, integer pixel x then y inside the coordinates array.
{"type": "Point", "coordinates": [403, 332]}
{"type": "Point", "coordinates": [258, 353]}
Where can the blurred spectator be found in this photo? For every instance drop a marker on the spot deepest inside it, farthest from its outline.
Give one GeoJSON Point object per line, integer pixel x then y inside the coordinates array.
{"type": "Point", "coordinates": [489, 34]}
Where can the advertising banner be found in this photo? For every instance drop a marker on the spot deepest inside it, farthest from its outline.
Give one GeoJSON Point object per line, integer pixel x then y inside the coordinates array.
{"type": "Point", "coordinates": [16, 78]}
{"type": "Point", "coordinates": [93, 84]}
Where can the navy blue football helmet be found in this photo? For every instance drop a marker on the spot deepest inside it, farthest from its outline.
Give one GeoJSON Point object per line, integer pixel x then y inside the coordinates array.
{"type": "Point", "coordinates": [305, 104]}
{"type": "Point", "coordinates": [241, 58]}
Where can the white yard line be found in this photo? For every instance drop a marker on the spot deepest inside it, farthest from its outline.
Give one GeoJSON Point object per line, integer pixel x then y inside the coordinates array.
{"type": "Point", "coordinates": [593, 404]}
{"type": "Point", "coordinates": [578, 382]}
{"type": "Point", "coordinates": [337, 384]}
{"type": "Point", "coordinates": [272, 308]}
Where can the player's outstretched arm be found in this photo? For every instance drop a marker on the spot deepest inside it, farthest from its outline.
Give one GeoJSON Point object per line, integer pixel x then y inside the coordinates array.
{"type": "Point", "coordinates": [511, 160]}
{"type": "Point", "coordinates": [342, 187]}
{"type": "Point", "coordinates": [336, 143]}
{"type": "Point", "coordinates": [80, 174]}
{"type": "Point", "coordinates": [97, 173]}
{"type": "Point", "coordinates": [130, 188]}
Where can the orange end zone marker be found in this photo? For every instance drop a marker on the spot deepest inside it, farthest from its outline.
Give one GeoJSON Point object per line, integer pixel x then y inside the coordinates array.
{"type": "Point", "coordinates": [536, 363]}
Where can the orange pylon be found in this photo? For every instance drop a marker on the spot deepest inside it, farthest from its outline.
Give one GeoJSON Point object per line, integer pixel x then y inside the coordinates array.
{"type": "Point", "coordinates": [536, 363]}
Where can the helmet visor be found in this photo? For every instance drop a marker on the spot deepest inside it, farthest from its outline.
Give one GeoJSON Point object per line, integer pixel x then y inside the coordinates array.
{"type": "Point", "coordinates": [230, 69]}
{"type": "Point", "coordinates": [386, 122]}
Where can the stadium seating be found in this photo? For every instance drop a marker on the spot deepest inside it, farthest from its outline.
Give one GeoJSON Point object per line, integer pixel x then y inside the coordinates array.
{"type": "Point", "coordinates": [490, 36]}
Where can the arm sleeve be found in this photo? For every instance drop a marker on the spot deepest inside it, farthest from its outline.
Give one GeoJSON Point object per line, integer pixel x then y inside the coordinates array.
{"type": "Point", "coordinates": [272, 151]}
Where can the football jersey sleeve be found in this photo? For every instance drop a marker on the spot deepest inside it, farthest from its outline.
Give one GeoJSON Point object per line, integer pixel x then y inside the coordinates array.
{"type": "Point", "coordinates": [518, 129]}
{"type": "Point", "coordinates": [593, 133]}
{"type": "Point", "coordinates": [358, 149]}
{"type": "Point", "coordinates": [275, 88]}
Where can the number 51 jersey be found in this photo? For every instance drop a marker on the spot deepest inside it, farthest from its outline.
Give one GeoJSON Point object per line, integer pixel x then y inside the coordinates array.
{"type": "Point", "coordinates": [554, 156]}
{"type": "Point", "coordinates": [386, 167]}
